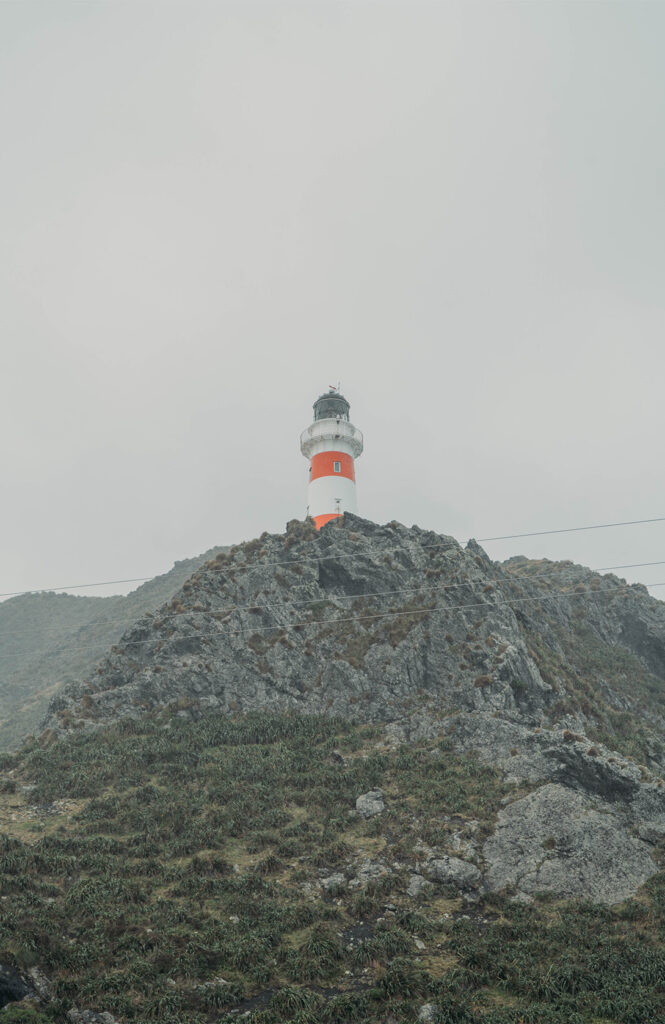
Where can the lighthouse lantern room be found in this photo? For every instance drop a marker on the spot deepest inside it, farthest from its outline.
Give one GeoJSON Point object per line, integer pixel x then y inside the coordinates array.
{"type": "Point", "coordinates": [331, 444]}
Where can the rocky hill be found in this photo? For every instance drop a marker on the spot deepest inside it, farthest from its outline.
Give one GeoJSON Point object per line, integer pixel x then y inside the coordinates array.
{"type": "Point", "coordinates": [358, 775]}
{"type": "Point", "coordinates": [48, 640]}
{"type": "Point", "coordinates": [548, 672]}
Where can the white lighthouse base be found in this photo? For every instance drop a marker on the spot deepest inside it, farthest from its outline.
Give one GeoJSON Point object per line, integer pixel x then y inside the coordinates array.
{"type": "Point", "coordinates": [331, 494]}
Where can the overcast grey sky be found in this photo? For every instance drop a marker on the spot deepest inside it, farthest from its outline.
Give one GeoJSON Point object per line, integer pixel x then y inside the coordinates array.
{"type": "Point", "coordinates": [211, 211]}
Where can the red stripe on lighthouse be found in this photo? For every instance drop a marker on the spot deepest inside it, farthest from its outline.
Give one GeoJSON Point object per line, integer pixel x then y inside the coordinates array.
{"type": "Point", "coordinates": [323, 464]}
{"type": "Point", "coordinates": [320, 521]}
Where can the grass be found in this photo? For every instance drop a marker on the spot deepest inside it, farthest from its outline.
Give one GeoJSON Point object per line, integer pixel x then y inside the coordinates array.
{"type": "Point", "coordinates": [169, 870]}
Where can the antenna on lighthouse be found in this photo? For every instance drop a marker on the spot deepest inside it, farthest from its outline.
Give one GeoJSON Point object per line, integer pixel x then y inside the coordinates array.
{"type": "Point", "coordinates": [331, 444]}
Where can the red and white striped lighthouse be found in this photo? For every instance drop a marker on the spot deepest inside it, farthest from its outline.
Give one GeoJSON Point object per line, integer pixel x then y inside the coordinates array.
{"type": "Point", "coordinates": [331, 444]}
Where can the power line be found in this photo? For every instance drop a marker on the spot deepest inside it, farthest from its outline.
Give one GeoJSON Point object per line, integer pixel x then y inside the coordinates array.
{"type": "Point", "coordinates": [337, 557]}
{"type": "Point", "coordinates": [317, 600]}
{"type": "Point", "coordinates": [573, 529]}
{"type": "Point", "coordinates": [400, 614]}
{"type": "Point", "coordinates": [375, 615]}
{"type": "Point", "coordinates": [80, 586]}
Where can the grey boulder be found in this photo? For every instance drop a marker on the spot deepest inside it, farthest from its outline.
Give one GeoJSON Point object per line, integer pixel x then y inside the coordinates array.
{"type": "Point", "coordinates": [454, 871]}
{"type": "Point", "coordinates": [89, 1017]}
{"type": "Point", "coordinates": [369, 804]}
{"type": "Point", "coordinates": [560, 841]}
{"type": "Point", "coordinates": [417, 885]}
{"type": "Point", "coordinates": [334, 881]}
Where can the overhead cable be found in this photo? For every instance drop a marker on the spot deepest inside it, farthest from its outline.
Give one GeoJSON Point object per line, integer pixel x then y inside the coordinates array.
{"type": "Point", "coordinates": [337, 557]}
{"type": "Point", "coordinates": [361, 618]}
{"type": "Point", "coordinates": [572, 529]}
{"type": "Point", "coordinates": [510, 578]}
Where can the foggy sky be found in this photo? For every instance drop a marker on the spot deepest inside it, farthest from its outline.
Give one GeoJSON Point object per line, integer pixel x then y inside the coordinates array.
{"type": "Point", "coordinates": [211, 211]}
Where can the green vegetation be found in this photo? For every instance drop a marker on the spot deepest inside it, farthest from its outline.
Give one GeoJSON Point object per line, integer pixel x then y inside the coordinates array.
{"type": "Point", "coordinates": [49, 640]}
{"type": "Point", "coordinates": [23, 1015]}
{"type": "Point", "coordinates": [168, 870]}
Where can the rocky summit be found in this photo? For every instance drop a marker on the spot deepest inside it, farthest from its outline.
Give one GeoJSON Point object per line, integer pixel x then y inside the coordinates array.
{"type": "Point", "coordinates": [360, 775]}
{"type": "Point", "coordinates": [546, 671]}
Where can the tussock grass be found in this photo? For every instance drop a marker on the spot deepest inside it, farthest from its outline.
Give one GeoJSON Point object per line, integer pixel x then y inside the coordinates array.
{"type": "Point", "coordinates": [179, 881]}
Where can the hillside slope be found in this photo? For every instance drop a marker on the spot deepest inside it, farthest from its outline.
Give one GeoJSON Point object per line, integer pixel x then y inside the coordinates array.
{"type": "Point", "coordinates": [292, 869]}
{"type": "Point", "coordinates": [356, 775]}
{"type": "Point", "coordinates": [47, 640]}
{"type": "Point", "coordinates": [551, 674]}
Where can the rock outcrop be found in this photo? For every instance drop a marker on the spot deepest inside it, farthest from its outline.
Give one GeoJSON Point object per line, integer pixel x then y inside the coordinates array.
{"type": "Point", "coordinates": [555, 840]}
{"type": "Point", "coordinates": [13, 986]}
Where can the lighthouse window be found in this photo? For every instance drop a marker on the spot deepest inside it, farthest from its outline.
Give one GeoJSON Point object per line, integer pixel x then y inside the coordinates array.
{"type": "Point", "coordinates": [337, 467]}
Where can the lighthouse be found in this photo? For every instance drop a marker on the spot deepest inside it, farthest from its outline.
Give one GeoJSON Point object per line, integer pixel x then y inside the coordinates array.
{"type": "Point", "coordinates": [331, 444]}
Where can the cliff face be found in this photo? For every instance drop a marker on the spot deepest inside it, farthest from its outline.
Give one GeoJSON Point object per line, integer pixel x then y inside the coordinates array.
{"type": "Point", "coordinates": [548, 672]}
{"type": "Point", "coordinates": [48, 640]}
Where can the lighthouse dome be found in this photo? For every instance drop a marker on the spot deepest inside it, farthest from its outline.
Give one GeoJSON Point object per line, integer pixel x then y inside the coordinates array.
{"type": "Point", "coordinates": [331, 406]}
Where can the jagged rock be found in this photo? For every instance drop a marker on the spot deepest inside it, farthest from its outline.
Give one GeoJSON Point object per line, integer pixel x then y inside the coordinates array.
{"type": "Point", "coordinates": [647, 808]}
{"type": "Point", "coordinates": [502, 742]}
{"type": "Point", "coordinates": [454, 871]}
{"type": "Point", "coordinates": [333, 881]}
{"type": "Point", "coordinates": [462, 843]}
{"type": "Point", "coordinates": [417, 726]}
{"type": "Point", "coordinates": [13, 986]}
{"type": "Point", "coordinates": [199, 653]}
{"type": "Point", "coordinates": [89, 1017]}
{"type": "Point", "coordinates": [560, 841]}
{"type": "Point", "coordinates": [370, 803]}
{"type": "Point", "coordinates": [417, 886]}
{"type": "Point", "coordinates": [38, 979]}
{"type": "Point", "coordinates": [205, 655]}
{"type": "Point", "coordinates": [367, 871]}
{"type": "Point", "coordinates": [534, 754]}
{"type": "Point", "coordinates": [653, 834]}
